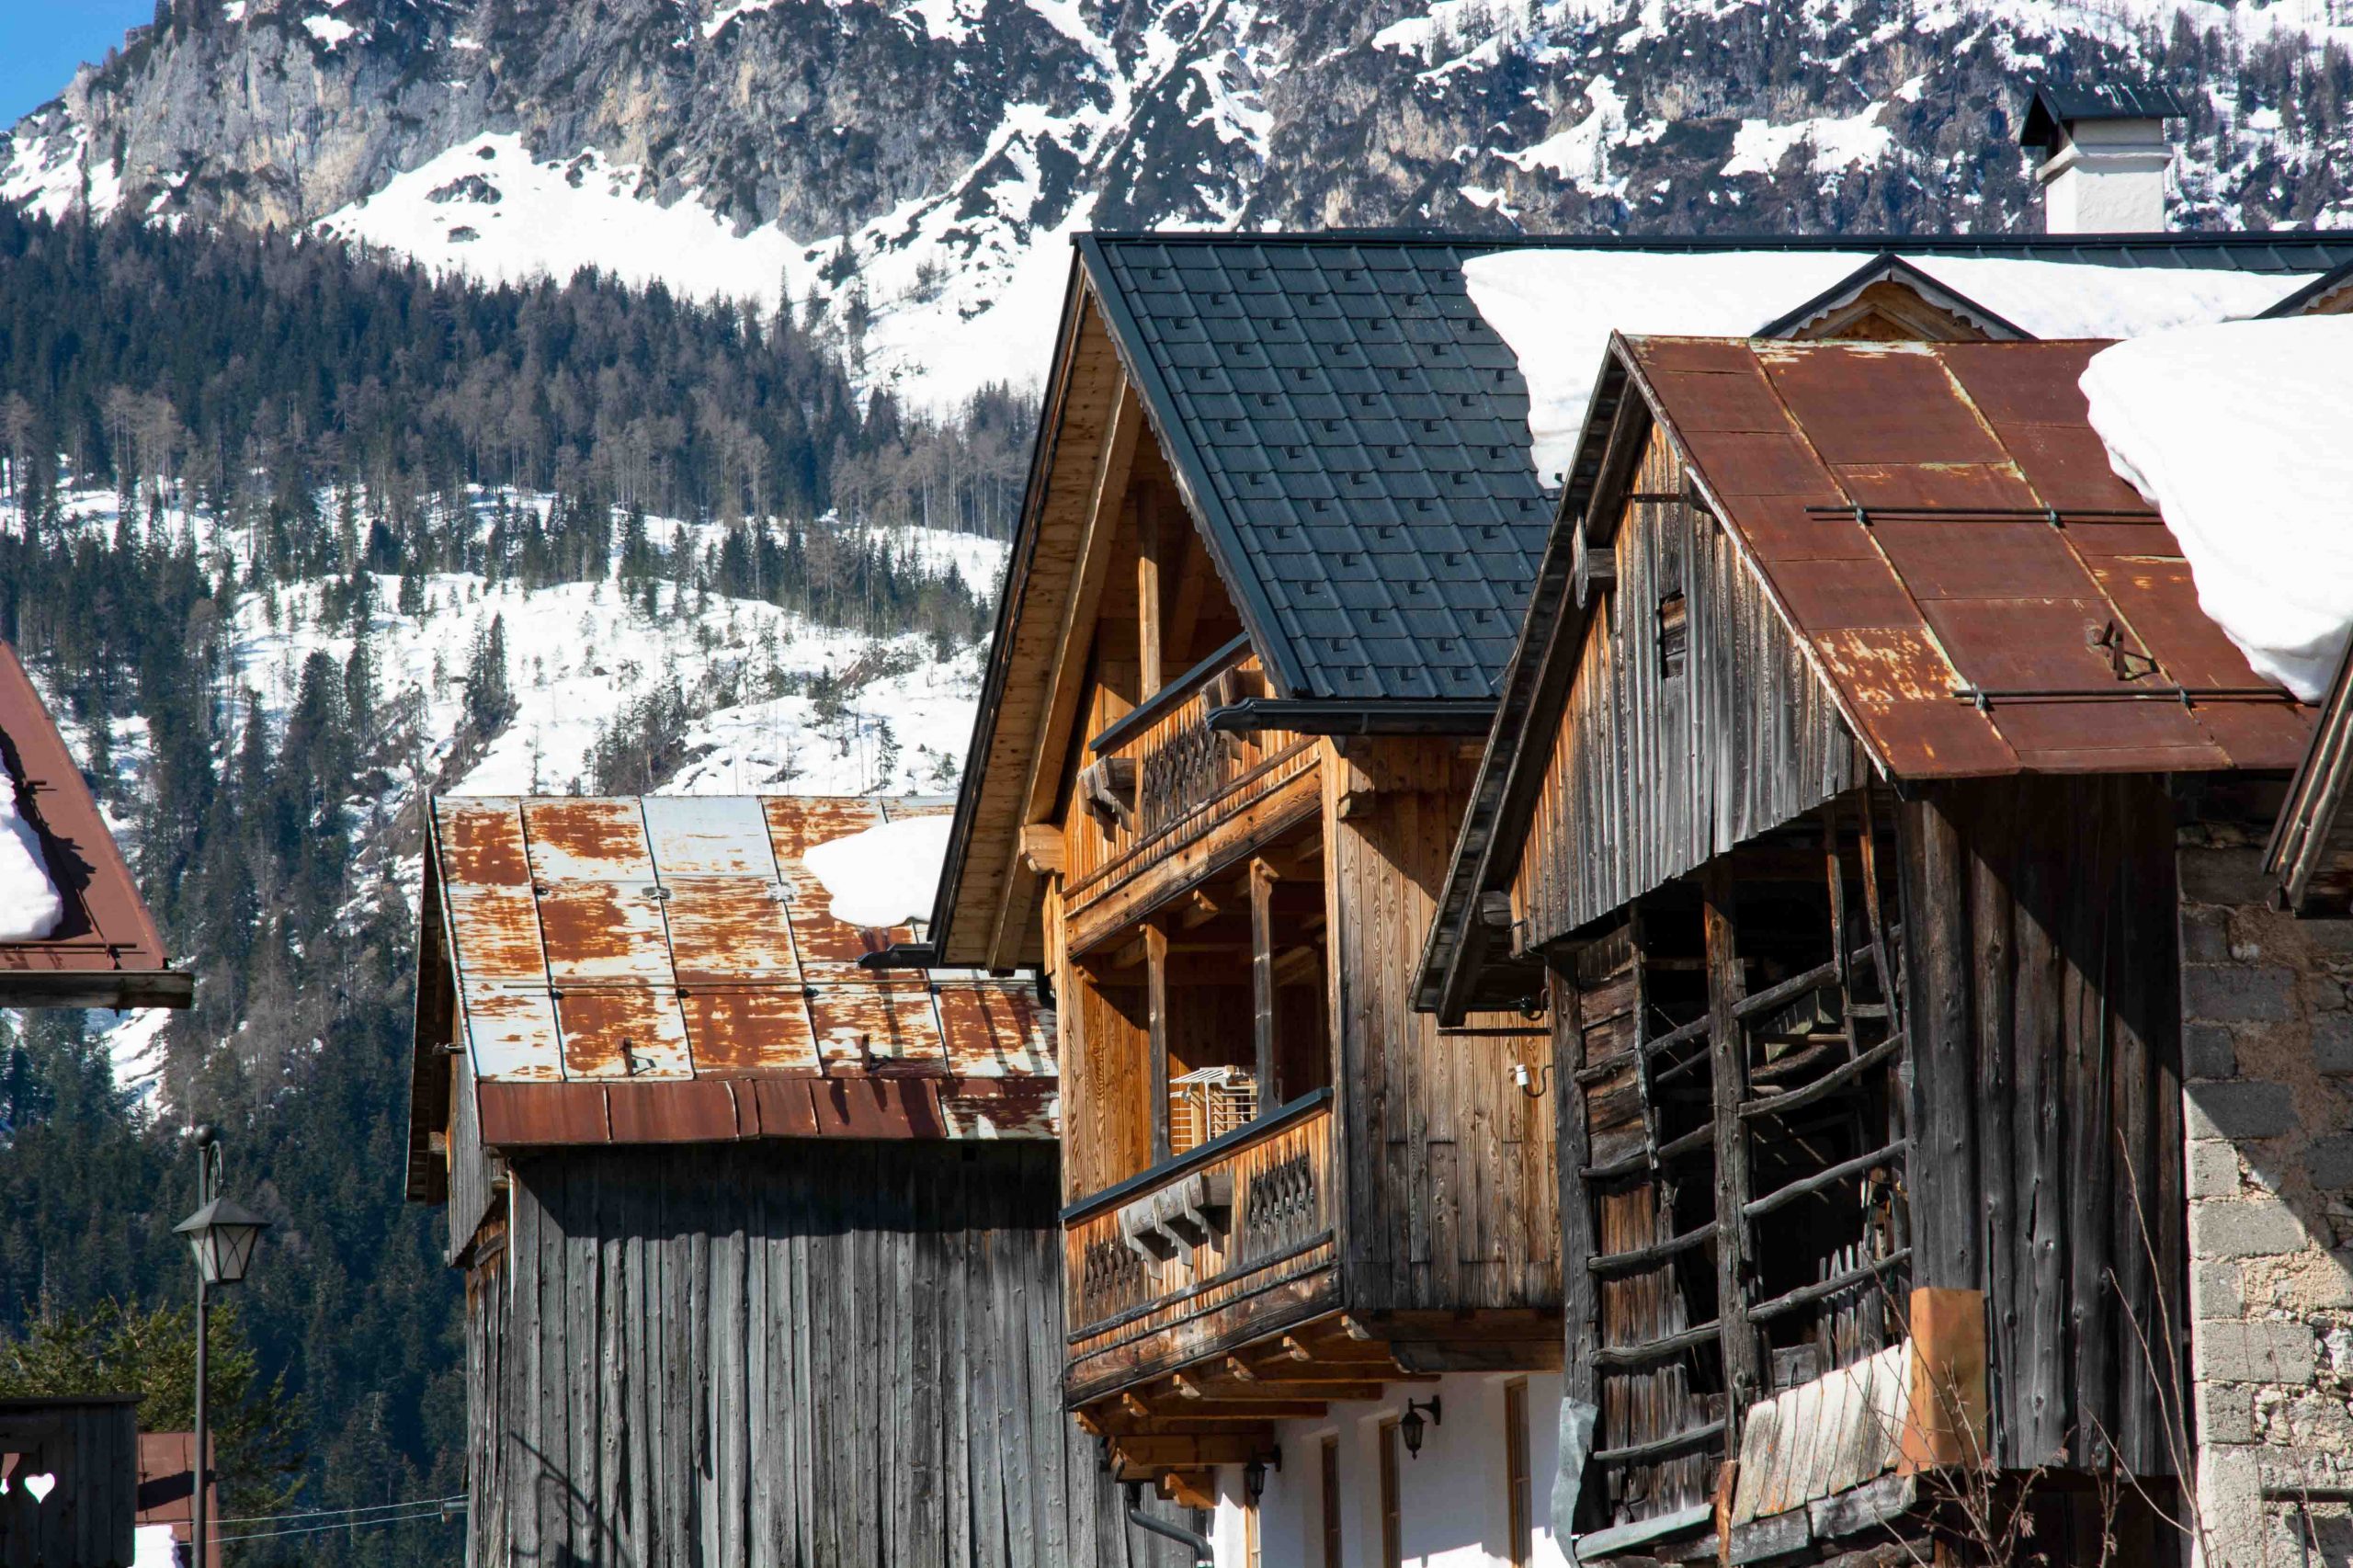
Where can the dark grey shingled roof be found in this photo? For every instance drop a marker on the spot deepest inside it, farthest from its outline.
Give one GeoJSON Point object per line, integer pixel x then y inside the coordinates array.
{"type": "Point", "coordinates": [1363, 437]}
{"type": "Point", "coordinates": [1354, 435]}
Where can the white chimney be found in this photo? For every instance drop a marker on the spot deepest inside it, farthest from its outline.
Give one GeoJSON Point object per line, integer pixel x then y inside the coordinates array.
{"type": "Point", "coordinates": [2104, 157]}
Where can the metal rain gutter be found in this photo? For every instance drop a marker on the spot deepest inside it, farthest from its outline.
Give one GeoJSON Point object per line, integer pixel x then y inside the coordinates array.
{"type": "Point", "coordinates": [1340, 716]}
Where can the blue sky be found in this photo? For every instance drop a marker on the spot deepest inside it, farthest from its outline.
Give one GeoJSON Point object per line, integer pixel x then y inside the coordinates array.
{"type": "Point", "coordinates": [42, 41]}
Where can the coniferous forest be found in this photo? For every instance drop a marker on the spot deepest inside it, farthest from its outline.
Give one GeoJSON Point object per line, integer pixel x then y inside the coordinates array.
{"type": "Point", "coordinates": [340, 415]}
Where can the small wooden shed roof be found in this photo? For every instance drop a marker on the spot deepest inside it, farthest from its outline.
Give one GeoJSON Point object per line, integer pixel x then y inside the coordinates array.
{"type": "Point", "coordinates": [1937, 528]}
{"type": "Point", "coordinates": [105, 951]}
{"type": "Point", "coordinates": [667, 970]}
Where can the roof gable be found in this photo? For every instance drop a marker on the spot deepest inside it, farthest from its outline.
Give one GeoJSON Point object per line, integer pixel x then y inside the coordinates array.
{"type": "Point", "coordinates": [1938, 528]}
{"type": "Point", "coordinates": [1352, 436]}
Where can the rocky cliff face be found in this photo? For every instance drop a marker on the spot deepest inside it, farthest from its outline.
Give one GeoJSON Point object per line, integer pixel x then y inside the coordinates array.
{"type": "Point", "coordinates": [903, 165]}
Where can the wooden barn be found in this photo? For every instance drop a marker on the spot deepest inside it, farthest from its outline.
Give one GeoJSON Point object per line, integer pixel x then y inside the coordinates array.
{"type": "Point", "coordinates": [1832, 798]}
{"type": "Point", "coordinates": [760, 1251]}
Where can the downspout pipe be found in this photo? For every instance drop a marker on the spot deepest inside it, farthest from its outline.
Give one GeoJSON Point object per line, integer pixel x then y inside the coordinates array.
{"type": "Point", "coordinates": [1204, 1554]}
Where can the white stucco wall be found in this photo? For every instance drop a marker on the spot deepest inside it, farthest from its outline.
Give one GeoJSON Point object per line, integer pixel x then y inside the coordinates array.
{"type": "Point", "coordinates": [1454, 1506]}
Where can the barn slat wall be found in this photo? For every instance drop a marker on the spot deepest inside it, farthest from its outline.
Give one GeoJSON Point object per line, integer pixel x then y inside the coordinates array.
{"type": "Point", "coordinates": [91, 1447]}
{"type": "Point", "coordinates": [2042, 964]}
{"type": "Point", "coordinates": [1652, 774]}
{"type": "Point", "coordinates": [1450, 1185]}
{"type": "Point", "coordinates": [786, 1355]}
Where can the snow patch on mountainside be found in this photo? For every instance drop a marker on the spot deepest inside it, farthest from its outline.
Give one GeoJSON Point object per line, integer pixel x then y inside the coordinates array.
{"type": "Point", "coordinates": [956, 301]}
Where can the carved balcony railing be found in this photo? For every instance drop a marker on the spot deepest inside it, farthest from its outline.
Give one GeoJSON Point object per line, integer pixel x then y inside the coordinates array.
{"type": "Point", "coordinates": [1203, 1236]}
{"type": "Point", "coordinates": [1161, 782]}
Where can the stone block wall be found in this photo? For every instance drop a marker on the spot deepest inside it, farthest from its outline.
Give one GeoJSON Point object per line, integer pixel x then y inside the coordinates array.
{"type": "Point", "coordinates": [2268, 1083]}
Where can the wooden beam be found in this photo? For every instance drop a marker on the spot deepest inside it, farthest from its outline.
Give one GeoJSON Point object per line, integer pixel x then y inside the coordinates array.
{"type": "Point", "coordinates": [1192, 1488]}
{"type": "Point", "coordinates": [1068, 679]}
{"type": "Point", "coordinates": [1158, 1453]}
{"type": "Point", "coordinates": [1291, 1407]}
{"type": "Point", "coordinates": [1149, 543]}
{"type": "Point", "coordinates": [1262, 981]}
{"type": "Point", "coordinates": [1728, 1087]}
{"type": "Point", "coordinates": [1198, 908]}
{"type": "Point", "coordinates": [1041, 848]}
{"type": "Point", "coordinates": [1156, 947]}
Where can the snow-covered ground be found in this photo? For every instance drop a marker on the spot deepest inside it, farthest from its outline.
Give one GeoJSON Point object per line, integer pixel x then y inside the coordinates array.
{"type": "Point", "coordinates": [577, 653]}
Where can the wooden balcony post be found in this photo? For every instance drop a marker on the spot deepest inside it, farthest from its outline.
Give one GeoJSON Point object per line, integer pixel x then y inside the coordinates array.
{"type": "Point", "coordinates": [1156, 985]}
{"type": "Point", "coordinates": [1262, 980]}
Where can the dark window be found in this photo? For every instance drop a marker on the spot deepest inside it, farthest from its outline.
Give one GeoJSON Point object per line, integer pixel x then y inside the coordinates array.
{"type": "Point", "coordinates": [1674, 635]}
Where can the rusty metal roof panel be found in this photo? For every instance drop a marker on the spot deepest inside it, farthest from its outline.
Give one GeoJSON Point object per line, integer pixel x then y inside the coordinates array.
{"type": "Point", "coordinates": [666, 970]}
{"type": "Point", "coordinates": [2033, 612]}
{"type": "Point", "coordinates": [693, 836]}
{"type": "Point", "coordinates": [104, 951]}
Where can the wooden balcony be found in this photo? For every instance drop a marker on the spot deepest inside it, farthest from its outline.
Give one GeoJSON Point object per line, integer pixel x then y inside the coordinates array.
{"type": "Point", "coordinates": [1166, 800]}
{"type": "Point", "coordinates": [1227, 1243]}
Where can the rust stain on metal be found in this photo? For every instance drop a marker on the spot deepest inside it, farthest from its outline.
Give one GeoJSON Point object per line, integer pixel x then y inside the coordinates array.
{"type": "Point", "coordinates": [497, 932]}
{"type": "Point", "coordinates": [622, 1032]}
{"type": "Point", "coordinates": [749, 1028]}
{"type": "Point", "coordinates": [694, 986]}
{"type": "Point", "coordinates": [2036, 602]}
{"type": "Point", "coordinates": [731, 928]}
{"type": "Point", "coordinates": [877, 1028]}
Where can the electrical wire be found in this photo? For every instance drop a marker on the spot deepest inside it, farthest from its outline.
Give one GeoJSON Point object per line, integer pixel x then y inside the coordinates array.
{"type": "Point", "coordinates": [338, 1525]}
{"type": "Point", "coordinates": [322, 1513]}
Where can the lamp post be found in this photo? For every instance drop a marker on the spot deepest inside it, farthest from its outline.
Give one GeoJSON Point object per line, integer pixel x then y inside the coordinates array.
{"type": "Point", "coordinates": [221, 1234]}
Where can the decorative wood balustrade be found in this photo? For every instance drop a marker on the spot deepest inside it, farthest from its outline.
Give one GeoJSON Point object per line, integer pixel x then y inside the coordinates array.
{"type": "Point", "coordinates": [1165, 792]}
{"type": "Point", "coordinates": [1196, 1249]}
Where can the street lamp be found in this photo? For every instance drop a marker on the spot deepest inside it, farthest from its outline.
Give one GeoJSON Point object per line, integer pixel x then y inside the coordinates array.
{"type": "Point", "coordinates": [221, 1234]}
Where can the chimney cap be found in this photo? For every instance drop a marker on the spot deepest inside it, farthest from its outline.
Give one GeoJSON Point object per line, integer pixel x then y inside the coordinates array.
{"type": "Point", "coordinates": [2054, 109]}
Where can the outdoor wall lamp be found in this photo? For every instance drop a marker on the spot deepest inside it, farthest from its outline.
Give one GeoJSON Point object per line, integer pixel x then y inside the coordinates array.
{"type": "Point", "coordinates": [1253, 1476]}
{"type": "Point", "coordinates": [1409, 1425]}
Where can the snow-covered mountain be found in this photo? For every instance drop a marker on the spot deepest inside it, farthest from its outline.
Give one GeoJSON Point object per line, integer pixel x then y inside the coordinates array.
{"type": "Point", "coordinates": [910, 169]}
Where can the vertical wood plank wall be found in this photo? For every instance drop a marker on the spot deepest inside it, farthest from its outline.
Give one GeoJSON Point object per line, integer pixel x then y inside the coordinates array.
{"type": "Point", "coordinates": [2041, 956]}
{"type": "Point", "coordinates": [802, 1354]}
{"type": "Point", "coordinates": [1652, 774]}
{"type": "Point", "coordinates": [1449, 1184]}
{"type": "Point", "coordinates": [91, 1447]}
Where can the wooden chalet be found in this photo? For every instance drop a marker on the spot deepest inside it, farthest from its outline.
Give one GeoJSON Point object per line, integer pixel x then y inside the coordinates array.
{"type": "Point", "coordinates": [104, 951]}
{"type": "Point", "coordinates": [760, 1250]}
{"type": "Point", "coordinates": [1831, 802]}
{"type": "Point", "coordinates": [1268, 567]}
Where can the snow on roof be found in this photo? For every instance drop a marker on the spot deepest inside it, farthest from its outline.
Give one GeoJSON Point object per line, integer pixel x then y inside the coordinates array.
{"type": "Point", "coordinates": [2241, 435]}
{"type": "Point", "coordinates": [885, 876]}
{"type": "Point", "coordinates": [29, 907]}
{"type": "Point", "coordinates": [1557, 308]}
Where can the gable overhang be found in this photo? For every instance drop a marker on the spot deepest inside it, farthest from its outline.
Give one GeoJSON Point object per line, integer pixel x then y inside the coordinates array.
{"type": "Point", "coordinates": [1104, 395]}
{"type": "Point", "coordinates": [2329, 294]}
{"type": "Point", "coordinates": [2244, 726]}
{"type": "Point", "coordinates": [105, 950]}
{"type": "Point", "coordinates": [1891, 268]}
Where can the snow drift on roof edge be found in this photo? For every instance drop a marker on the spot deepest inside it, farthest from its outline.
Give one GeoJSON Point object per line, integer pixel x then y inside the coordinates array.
{"type": "Point", "coordinates": [1557, 308]}
{"type": "Point", "coordinates": [2241, 435]}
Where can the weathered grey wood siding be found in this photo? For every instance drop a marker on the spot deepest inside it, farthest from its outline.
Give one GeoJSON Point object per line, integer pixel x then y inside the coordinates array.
{"type": "Point", "coordinates": [806, 1354]}
{"type": "Point", "coordinates": [91, 1446]}
{"type": "Point", "coordinates": [1449, 1189]}
{"type": "Point", "coordinates": [1653, 774]}
{"type": "Point", "coordinates": [2042, 966]}
{"type": "Point", "coordinates": [472, 1176]}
